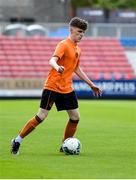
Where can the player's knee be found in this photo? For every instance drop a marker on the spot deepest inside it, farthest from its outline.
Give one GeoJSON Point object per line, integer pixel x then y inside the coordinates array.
{"type": "Point", "coordinates": [75, 116]}
{"type": "Point", "coordinates": [42, 114]}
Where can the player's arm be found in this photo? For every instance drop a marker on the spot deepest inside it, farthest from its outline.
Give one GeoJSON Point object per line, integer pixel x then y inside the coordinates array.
{"type": "Point", "coordinates": [53, 64]}
{"type": "Point", "coordinates": [80, 73]}
{"type": "Point", "coordinates": [58, 54]}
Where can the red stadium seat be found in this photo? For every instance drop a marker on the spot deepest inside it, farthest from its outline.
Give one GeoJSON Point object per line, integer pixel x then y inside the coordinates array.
{"type": "Point", "coordinates": [28, 57]}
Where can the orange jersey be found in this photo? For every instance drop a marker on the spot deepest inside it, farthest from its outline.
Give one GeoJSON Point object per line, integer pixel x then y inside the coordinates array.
{"type": "Point", "coordinates": [68, 53]}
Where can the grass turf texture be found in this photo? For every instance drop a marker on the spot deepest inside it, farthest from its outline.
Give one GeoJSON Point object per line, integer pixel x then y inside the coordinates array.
{"type": "Point", "coordinates": [107, 132]}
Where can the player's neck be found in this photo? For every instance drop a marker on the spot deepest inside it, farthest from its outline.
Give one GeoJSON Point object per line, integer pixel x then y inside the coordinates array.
{"type": "Point", "coordinates": [72, 39]}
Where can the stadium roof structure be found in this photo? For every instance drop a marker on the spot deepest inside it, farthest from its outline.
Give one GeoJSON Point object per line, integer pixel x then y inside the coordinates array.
{"type": "Point", "coordinates": [14, 29]}
{"type": "Point", "coordinates": [36, 29]}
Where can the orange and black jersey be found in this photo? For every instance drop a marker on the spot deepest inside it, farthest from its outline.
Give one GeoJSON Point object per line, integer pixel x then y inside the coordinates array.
{"type": "Point", "coordinates": [68, 53]}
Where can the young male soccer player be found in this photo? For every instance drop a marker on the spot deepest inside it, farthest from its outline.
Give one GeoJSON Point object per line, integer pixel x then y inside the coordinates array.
{"type": "Point", "coordinates": [58, 85]}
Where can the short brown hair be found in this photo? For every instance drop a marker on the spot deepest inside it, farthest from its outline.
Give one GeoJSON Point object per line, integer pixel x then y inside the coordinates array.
{"type": "Point", "coordinates": [79, 23]}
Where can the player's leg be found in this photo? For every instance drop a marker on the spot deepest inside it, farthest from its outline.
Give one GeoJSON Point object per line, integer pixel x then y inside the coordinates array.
{"type": "Point", "coordinates": [69, 103]}
{"type": "Point", "coordinates": [32, 123]}
{"type": "Point", "coordinates": [27, 129]}
{"type": "Point", "coordinates": [47, 101]}
{"type": "Point", "coordinates": [72, 123]}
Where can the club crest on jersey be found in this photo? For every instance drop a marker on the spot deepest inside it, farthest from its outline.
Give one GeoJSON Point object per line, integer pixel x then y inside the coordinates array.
{"type": "Point", "coordinates": [76, 54]}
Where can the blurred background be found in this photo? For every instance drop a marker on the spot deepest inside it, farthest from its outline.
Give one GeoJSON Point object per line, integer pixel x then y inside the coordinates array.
{"type": "Point", "coordinates": [30, 30]}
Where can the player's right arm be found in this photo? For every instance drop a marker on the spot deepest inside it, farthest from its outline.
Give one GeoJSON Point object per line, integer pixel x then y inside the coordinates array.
{"type": "Point", "coordinates": [53, 64]}
{"type": "Point", "coordinates": [58, 54]}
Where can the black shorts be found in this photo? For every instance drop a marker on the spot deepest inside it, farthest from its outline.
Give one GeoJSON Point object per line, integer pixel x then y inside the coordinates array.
{"type": "Point", "coordinates": [62, 101]}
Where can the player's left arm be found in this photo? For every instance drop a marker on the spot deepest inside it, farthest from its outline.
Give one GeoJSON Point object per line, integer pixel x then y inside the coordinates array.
{"type": "Point", "coordinates": [80, 73]}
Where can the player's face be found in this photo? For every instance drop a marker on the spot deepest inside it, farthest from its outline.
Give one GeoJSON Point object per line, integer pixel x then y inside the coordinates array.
{"type": "Point", "coordinates": [77, 34]}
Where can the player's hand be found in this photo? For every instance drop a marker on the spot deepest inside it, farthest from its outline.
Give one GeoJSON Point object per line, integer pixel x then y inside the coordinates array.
{"type": "Point", "coordinates": [61, 69]}
{"type": "Point", "coordinates": [97, 91]}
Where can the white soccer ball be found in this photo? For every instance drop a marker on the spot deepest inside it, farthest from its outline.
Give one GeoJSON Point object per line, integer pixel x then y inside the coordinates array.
{"type": "Point", "coordinates": [71, 146]}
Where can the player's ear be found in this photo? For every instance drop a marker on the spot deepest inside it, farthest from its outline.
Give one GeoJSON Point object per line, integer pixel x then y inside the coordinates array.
{"type": "Point", "coordinates": [71, 29]}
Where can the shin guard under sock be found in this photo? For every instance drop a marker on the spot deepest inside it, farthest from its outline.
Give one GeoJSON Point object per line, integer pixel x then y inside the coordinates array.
{"type": "Point", "coordinates": [70, 128]}
{"type": "Point", "coordinates": [30, 126]}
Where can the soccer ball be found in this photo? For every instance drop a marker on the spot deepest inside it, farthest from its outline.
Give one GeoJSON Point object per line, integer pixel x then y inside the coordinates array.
{"type": "Point", "coordinates": [71, 146]}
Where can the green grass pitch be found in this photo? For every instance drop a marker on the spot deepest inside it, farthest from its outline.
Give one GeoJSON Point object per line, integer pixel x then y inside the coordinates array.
{"type": "Point", "coordinates": [107, 131]}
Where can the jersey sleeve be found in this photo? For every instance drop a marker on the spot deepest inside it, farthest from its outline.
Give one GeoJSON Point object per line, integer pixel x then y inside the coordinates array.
{"type": "Point", "coordinates": [60, 50]}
